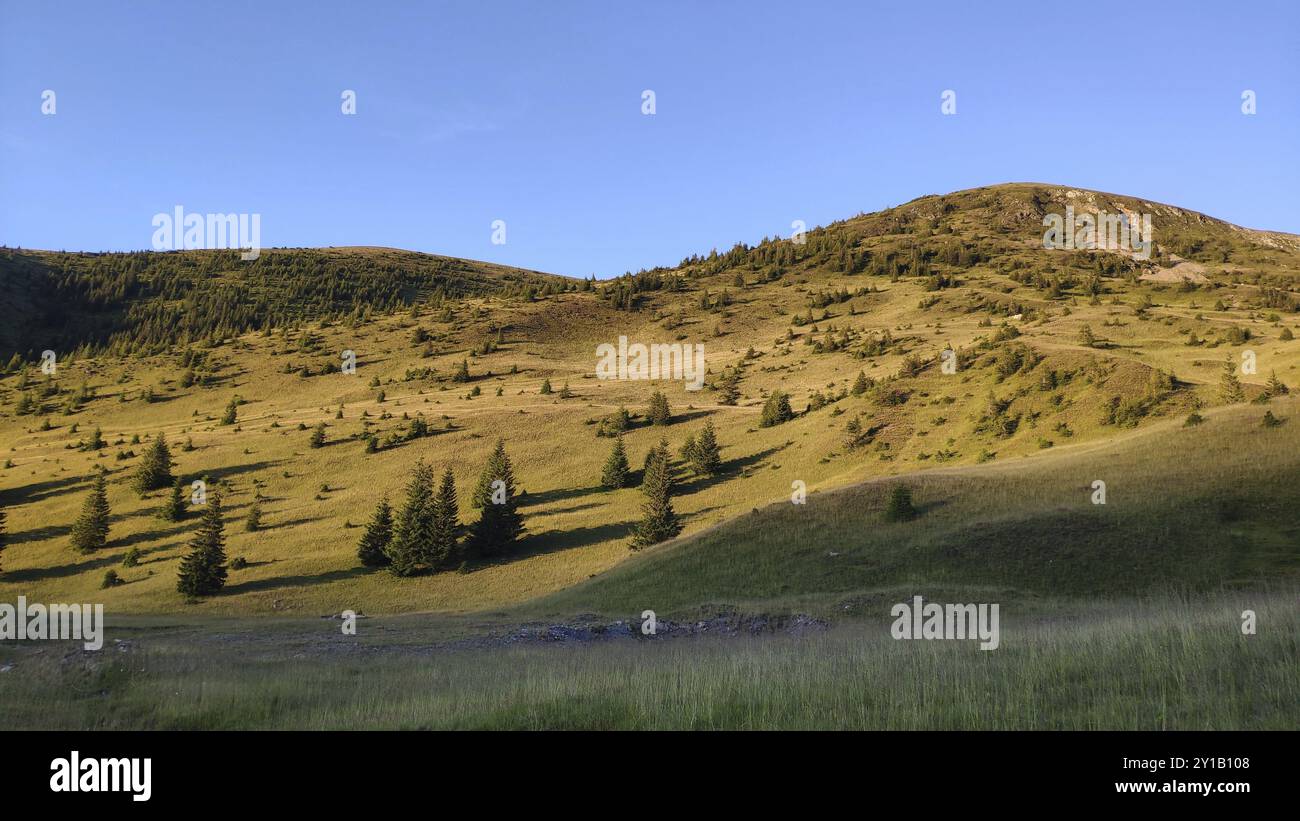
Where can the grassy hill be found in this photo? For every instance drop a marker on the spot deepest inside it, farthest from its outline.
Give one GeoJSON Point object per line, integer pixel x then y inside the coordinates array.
{"type": "Point", "coordinates": [1058, 352]}
{"type": "Point", "coordinates": [145, 302]}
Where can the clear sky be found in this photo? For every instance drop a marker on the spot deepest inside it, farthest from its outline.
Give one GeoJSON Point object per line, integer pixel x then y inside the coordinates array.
{"type": "Point", "coordinates": [531, 113]}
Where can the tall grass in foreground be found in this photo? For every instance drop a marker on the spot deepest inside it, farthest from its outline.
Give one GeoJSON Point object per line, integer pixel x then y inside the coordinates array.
{"type": "Point", "coordinates": [1169, 665]}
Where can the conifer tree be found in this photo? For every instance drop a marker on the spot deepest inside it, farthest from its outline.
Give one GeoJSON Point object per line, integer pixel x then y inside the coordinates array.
{"type": "Point", "coordinates": [499, 521]}
{"type": "Point", "coordinates": [776, 410]}
{"type": "Point", "coordinates": [659, 413]}
{"type": "Point", "coordinates": [1229, 385]}
{"type": "Point", "coordinates": [203, 570]}
{"type": "Point", "coordinates": [729, 387]}
{"type": "Point", "coordinates": [413, 531]}
{"type": "Point", "coordinates": [96, 440]}
{"type": "Point", "coordinates": [688, 450]}
{"type": "Point", "coordinates": [616, 471]}
{"type": "Point", "coordinates": [173, 510]}
{"type": "Point", "coordinates": [706, 458]}
{"type": "Point", "coordinates": [446, 522]}
{"type": "Point", "coordinates": [900, 508]}
{"type": "Point", "coordinates": [1276, 387]}
{"type": "Point", "coordinates": [90, 531]}
{"type": "Point", "coordinates": [659, 521]}
{"type": "Point", "coordinates": [4, 536]}
{"type": "Point", "coordinates": [317, 436]}
{"type": "Point", "coordinates": [860, 385]}
{"type": "Point", "coordinates": [253, 521]}
{"type": "Point", "coordinates": [155, 470]}
{"type": "Point", "coordinates": [232, 412]}
{"type": "Point", "coordinates": [374, 542]}
{"type": "Point", "coordinates": [546, 387]}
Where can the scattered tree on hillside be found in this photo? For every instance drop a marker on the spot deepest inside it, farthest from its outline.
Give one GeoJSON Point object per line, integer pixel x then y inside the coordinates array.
{"type": "Point", "coordinates": [616, 472]}
{"type": "Point", "coordinates": [899, 508]}
{"type": "Point", "coordinates": [1230, 389]}
{"type": "Point", "coordinates": [861, 385]}
{"type": "Point", "coordinates": [1276, 387]}
{"type": "Point", "coordinates": [155, 470]}
{"type": "Point", "coordinates": [659, 521]}
{"type": "Point", "coordinates": [90, 531]}
{"type": "Point", "coordinates": [659, 413]}
{"type": "Point", "coordinates": [446, 523]}
{"type": "Point", "coordinates": [253, 521]}
{"type": "Point", "coordinates": [776, 409]}
{"type": "Point", "coordinates": [729, 386]}
{"type": "Point", "coordinates": [499, 523]}
{"type": "Point", "coordinates": [317, 439]}
{"type": "Point", "coordinates": [372, 551]}
{"type": "Point", "coordinates": [706, 456]}
{"type": "Point", "coordinates": [203, 570]}
{"type": "Point", "coordinates": [409, 548]}
{"type": "Point", "coordinates": [232, 412]}
{"type": "Point", "coordinates": [173, 510]}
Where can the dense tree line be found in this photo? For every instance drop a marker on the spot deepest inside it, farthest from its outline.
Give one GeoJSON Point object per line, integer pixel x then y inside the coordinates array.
{"type": "Point", "coordinates": [143, 302]}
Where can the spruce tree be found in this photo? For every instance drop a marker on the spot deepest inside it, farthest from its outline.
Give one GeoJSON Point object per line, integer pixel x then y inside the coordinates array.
{"type": "Point", "coordinates": [860, 385]}
{"type": "Point", "coordinates": [659, 521]}
{"type": "Point", "coordinates": [253, 522]}
{"type": "Point", "coordinates": [659, 413]}
{"type": "Point", "coordinates": [499, 521]}
{"type": "Point", "coordinates": [1276, 387]}
{"type": "Point", "coordinates": [899, 507]}
{"type": "Point", "coordinates": [729, 387]}
{"type": "Point", "coordinates": [1229, 385]}
{"type": "Point", "coordinates": [616, 472]}
{"type": "Point", "coordinates": [707, 457]}
{"type": "Point", "coordinates": [203, 570]}
{"type": "Point", "coordinates": [3, 536]}
{"type": "Point", "coordinates": [173, 510]}
{"type": "Point", "coordinates": [155, 470]}
{"type": "Point", "coordinates": [374, 542]}
{"type": "Point", "coordinates": [687, 451]}
{"type": "Point", "coordinates": [232, 412]}
{"type": "Point", "coordinates": [96, 440]}
{"type": "Point", "coordinates": [446, 521]}
{"type": "Point", "coordinates": [410, 546]}
{"type": "Point", "coordinates": [776, 410]}
{"type": "Point", "coordinates": [90, 531]}
{"type": "Point", "coordinates": [317, 436]}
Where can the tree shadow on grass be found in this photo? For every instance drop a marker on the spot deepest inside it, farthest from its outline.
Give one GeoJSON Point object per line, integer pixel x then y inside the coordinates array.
{"type": "Point", "coordinates": [573, 508]}
{"type": "Point", "coordinates": [217, 474]}
{"type": "Point", "coordinates": [40, 534]}
{"type": "Point", "coordinates": [557, 495]}
{"type": "Point", "coordinates": [277, 582]}
{"type": "Point", "coordinates": [43, 490]}
{"type": "Point", "coordinates": [93, 561]}
{"type": "Point", "coordinates": [555, 541]}
{"type": "Point", "coordinates": [731, 469]}
{"type": "Point", "coordinates": [301, 520]}
{"type": "Point", "coordinates": [152, 535]}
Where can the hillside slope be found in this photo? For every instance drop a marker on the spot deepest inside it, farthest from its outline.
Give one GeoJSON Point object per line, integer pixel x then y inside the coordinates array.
{"type": "Point", "coordinates": [1051, 348]}
{"type": "Point", "coordinates": [143, 302]}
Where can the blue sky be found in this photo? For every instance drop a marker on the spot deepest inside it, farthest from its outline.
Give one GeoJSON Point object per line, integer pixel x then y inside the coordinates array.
{"type": "Point", "coordinates": [530, 113]}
